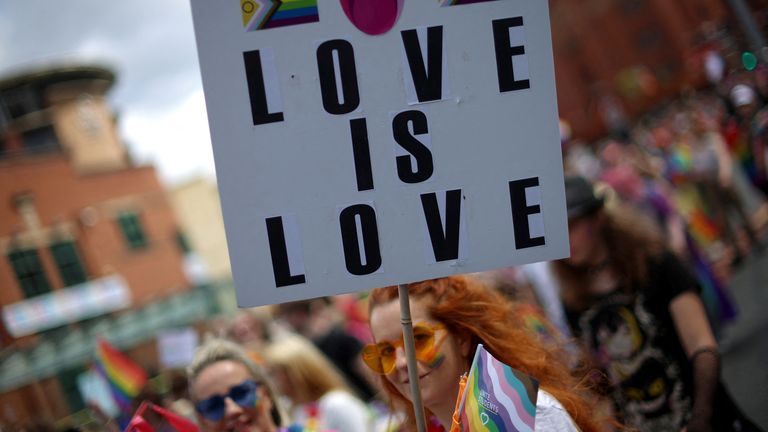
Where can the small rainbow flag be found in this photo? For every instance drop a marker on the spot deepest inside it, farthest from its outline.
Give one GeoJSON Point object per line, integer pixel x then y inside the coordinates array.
{"type": "Point", "coordinates": [125, 377]}
{"type": "Point", "coordinates": [702, 228]}
{"type": "Point", "coordinates": [497, 397]}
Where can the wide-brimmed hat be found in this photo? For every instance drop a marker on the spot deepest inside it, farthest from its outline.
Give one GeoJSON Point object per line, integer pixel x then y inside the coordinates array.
{"type": "Point", "coordinates": [580, 197]}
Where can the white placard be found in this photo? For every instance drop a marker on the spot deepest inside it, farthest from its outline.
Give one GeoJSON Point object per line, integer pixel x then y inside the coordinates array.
{"type": "Point", "coordinates": [94, 389]}
{"type": "Point", "coordinates": [176, 347]}
{"type": "Point", "coordinates": [304, 106]}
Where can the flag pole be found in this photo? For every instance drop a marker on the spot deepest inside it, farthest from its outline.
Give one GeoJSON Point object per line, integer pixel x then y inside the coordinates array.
{"type": "Point", "coordinates": [410, 355]}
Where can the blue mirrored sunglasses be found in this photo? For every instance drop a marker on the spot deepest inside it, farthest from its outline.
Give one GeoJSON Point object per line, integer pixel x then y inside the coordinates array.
{"type": "Point", "coordinates": [243, 394]}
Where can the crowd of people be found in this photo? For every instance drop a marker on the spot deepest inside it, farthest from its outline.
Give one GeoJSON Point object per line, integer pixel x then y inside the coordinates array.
{"type": "Point", "coordinates": [642, 356]}
{"type": "Point", "coordinates": [635, 348]}
{"type": "Point", "coordinates": [622, 335]}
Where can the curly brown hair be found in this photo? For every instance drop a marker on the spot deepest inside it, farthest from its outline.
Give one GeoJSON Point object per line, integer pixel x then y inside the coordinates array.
{"type": "Point", "coordinates": [465, 306]}
{"type": "Point", "coordinates": [631, 238]}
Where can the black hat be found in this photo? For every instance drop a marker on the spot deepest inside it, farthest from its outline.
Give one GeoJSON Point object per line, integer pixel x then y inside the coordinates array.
{"type": "Point", "coordinates": [580, 197]}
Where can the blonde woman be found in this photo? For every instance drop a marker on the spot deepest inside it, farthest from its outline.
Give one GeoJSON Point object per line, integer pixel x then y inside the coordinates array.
{"type": "Point", "coordinates": [230, 392]}
{"type": "Point", "coordinates": [319, 396]}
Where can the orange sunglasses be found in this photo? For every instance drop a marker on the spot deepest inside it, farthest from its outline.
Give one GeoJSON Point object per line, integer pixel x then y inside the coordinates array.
{"type": "Point", "coordinates": [381, 356]}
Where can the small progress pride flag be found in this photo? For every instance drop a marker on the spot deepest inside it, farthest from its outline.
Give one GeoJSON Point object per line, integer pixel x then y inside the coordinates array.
{"type": "Point", "coordinates": [497, 397]}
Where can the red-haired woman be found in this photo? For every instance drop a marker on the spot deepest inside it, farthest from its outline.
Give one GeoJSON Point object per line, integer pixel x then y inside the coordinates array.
{"type": "Point", "coordinates": [459, 313]}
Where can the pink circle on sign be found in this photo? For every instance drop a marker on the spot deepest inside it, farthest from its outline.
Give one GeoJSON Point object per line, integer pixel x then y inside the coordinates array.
{"type": "Point", "coordinates": [373, 17]}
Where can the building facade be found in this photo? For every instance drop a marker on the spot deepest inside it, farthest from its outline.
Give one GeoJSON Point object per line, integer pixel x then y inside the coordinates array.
{"type": "Point", "coordinates": [89, 243]}
{"type": "Point", "coordinates": [616, 59]}
{"type": "Point", "coordinates": [198, 208]}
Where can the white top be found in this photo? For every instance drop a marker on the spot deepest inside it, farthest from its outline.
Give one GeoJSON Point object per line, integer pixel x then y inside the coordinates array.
{"type": "Point", "coordinates": [551, 416]}
{"type": "Point", "coordinates": [339, 411]}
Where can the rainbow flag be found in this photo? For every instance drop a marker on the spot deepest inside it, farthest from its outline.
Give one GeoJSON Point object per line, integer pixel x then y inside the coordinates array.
{"type": "Point", "coordinates": [702, 228]}
{"type": "Point", "coordinates": [497, 397]}
{"type": "Point", "coordinates": [125, 377]}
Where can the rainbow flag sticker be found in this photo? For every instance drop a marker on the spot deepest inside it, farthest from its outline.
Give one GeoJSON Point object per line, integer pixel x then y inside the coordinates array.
{"type": "Point", "coordinates": [266, 14]}
{"type": "Point", "coordinates": [497, 397]}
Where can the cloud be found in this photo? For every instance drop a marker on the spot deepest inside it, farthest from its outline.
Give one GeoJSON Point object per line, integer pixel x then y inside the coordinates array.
{"type": "Point", "coordinates": [174, 139]}
{"type": "Point", "coordinates": [149, 44]}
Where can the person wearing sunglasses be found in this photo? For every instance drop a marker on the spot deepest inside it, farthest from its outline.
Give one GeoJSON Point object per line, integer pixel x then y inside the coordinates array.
{"type": "Point", "coordinates": [230, 392]}
{"type": "Point", "coordinates": [451, 317]}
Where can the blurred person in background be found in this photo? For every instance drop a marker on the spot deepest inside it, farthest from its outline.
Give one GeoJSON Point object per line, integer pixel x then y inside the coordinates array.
{"type": "Point", "coordinates": [749, 143]}
{"type": "Point", "coordinates": [250, 328]}
{"type": "Point", "coordinates": [319, 322]}
{"type": "Point", "coordinates": [231, 392]}
{"type": "Point", "coordinates": [712, 170]}
{"type": "Point", "coordinates": [637, 311]}
{"type": "Point", "coordinates": [318, 394]}
{"type": "Point", "coordinates": [177, 399]}
{"type": "Point", "coordinates": [451, 317]}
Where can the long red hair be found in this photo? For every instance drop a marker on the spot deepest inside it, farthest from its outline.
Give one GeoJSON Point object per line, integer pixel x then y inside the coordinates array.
{"type": "Point", "coordinates": [465, 306]}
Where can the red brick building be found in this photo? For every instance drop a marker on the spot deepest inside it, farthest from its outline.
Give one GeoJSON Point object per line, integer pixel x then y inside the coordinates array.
{"type": "Point", "coordinates": [89, 244]}
{"type": "Point", "coordinates": [631, 53]}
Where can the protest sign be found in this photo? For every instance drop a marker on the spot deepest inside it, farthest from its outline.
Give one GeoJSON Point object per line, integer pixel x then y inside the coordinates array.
{"type": "Point", "coordinates": [368, 143]}
{"type": "Point", "coordinates": [176, 347]}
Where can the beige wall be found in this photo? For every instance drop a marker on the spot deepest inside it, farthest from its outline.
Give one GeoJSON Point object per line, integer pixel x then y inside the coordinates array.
{"type": "Point", "coordinates": [87, 132]}
{"type": "Point", "coordinates": [198, 210]}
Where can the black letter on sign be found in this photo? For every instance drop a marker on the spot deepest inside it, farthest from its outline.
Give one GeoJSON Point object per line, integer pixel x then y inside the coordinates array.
{"type": "Point", "coordinates": [427, 80]}
{"type": "Point", "coordinates": [257, 91]}
{"type": "Point", "coordinates": [445, 238]}
{"type": "Point", "coordinates": [520, 212]}
{"type": "Point", "coordinates": [504, 54]}
{"type": "Point", "coordinates": [352, 244]}
{"type": "Point", "coordinates": [347, 76]}
{"type": "Point", "coordinates": [279, 251]}
{"type": "Point", "coordinates": [362, 154]}
{"type": "Point", "coordinates": [413, 146]}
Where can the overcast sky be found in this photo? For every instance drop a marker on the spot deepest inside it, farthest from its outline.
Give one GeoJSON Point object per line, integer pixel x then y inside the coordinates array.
{"type": "Point", "coordinates": [150, 44]}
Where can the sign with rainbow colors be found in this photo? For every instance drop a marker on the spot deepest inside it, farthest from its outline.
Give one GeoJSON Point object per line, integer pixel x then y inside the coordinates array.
{"type": "Point", "coordinates": [497, 397]}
